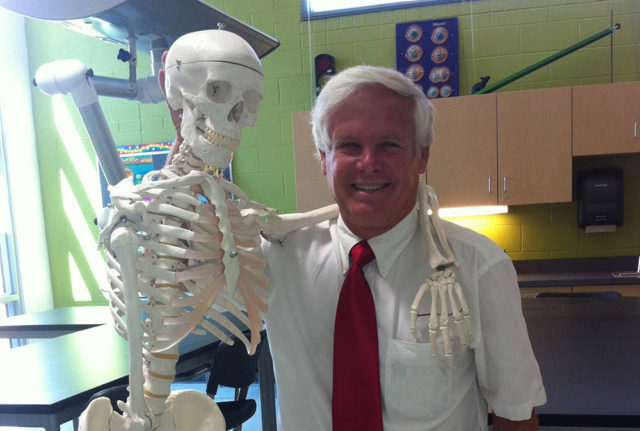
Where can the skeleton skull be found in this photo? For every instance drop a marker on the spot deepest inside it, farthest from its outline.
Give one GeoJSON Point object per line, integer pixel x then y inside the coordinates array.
{"type": "Point", "coordinates": [215, 77]}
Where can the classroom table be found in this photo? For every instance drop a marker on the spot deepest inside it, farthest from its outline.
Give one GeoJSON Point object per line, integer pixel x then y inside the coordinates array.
{"type": "Point", "coordinates": [53, 323]}
{"type": "Point", "coordinates": [588, 350]}
{"type": "Point", "coordinates": [48, 383]}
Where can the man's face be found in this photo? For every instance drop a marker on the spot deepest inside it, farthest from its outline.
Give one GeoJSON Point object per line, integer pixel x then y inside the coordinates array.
{"type": "Point", "coordinates": [371, 167]}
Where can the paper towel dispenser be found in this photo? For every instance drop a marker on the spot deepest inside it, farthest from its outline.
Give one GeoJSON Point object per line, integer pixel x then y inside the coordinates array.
{"type": "Point", "coordinates": [600, 197]}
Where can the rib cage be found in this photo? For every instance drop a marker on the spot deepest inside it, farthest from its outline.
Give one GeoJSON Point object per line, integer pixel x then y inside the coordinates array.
{"type": "Point", "coordinates": [197, 258]}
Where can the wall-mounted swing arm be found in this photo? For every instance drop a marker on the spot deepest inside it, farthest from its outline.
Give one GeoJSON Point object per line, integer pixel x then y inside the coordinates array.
{"type": "Point", "coordinates": [72, 77]}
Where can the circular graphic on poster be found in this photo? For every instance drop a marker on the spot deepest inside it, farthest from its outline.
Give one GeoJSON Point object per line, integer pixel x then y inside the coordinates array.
{"type": "Point", "coordinates": [414, 53]}
{"type": "Point", "coordinates": [433, 92]}
{"type": "Point", "coordinates": [439, 55]}
{"type": "Point", "coordinates": [439, 74]}
{"type": "Point", "coordinates": [413, 33]}
{"type": "Point", "coordinates": [415, 72]}
{"type": "Point", "coordinates": [446, 91]}
{"type": "Point", "coordinates": [439, 35]}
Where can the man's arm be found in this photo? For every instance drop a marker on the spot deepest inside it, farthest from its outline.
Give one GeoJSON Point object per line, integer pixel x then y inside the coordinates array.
{"type": "Point", "coordinates": [502, 424]}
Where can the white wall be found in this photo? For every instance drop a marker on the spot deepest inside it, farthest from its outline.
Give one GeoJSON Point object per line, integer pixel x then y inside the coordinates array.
{"type": "Point", "coordinates": [22, 164]}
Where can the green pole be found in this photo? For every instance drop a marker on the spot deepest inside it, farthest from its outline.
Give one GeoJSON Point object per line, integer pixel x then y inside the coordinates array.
{"type": "Point", "coordinates": [548, 60]}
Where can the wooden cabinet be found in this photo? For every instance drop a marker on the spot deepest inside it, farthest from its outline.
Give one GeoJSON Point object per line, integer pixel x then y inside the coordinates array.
{"type": "Point", "coordinates": [606, 119]}
{"type": "Point", "coordinates": [534, 146]}
{"type": "Point", "coordinates": [462, 159]}
{"type": "Point", "coordinates": [507, 149]}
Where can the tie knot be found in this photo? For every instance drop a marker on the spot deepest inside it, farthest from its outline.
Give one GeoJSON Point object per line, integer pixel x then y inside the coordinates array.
{"type": "Point", "coordinates": [361, 254]}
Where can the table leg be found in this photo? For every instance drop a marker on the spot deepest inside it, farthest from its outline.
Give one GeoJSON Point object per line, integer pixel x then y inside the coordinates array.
{"type": "Point", "coordinates": [52, 423]}
{"type": "Point", "coordinates": [267, 388]}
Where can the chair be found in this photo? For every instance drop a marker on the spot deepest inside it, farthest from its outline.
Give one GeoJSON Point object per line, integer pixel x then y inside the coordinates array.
{"type": "Point", "coordinates": [115, 394]}
{"type": "Point", "coordinates": [233, 367]}
{"type": "Point", "coordinates": [602, 294]}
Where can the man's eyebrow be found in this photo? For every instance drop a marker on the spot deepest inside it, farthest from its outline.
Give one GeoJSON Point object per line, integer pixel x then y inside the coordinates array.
{"type": "Point", "coordinates": [349, 137]}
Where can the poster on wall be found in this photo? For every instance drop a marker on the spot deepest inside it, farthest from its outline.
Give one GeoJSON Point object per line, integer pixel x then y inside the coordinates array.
{"type": "Point", "coordinates": [427, 53]}
{"type": "Point", "coordinates": [138, 160]}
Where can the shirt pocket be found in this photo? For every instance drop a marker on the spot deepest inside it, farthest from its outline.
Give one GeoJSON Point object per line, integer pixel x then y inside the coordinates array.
{"type": "Point", "coordinates": [414, 385]}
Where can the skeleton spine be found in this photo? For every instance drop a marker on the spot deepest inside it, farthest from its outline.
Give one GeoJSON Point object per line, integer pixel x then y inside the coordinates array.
{"type": "Point", "coordinates": [159, 367]}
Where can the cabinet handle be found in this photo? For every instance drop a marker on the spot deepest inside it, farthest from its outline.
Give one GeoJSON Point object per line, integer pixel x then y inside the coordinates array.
{"type": "Point", "coordinates": [635, 130]}
{"type": "Point", "coordinates": [489, 185]}
{"type": "Point", "coordinates": [504, 184]}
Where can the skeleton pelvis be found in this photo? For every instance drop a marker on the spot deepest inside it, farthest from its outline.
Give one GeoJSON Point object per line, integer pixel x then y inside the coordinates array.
{"type": "Point", "coordinates": [186, 411]}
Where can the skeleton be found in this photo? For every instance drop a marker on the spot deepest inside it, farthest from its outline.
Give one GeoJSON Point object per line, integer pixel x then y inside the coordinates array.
{"type": "Point", "coordinates": [181, 240]}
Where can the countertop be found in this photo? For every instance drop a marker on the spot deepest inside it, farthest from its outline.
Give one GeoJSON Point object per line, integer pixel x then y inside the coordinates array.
{"type": "Point", "coordinates": [576, 272]}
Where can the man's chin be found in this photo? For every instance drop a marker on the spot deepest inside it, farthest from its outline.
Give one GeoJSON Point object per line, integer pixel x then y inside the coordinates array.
{"type": "Point", "coordinates": [367, 215]}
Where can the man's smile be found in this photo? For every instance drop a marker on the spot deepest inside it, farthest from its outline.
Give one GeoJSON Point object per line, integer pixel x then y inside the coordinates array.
{"type": "Point", "coordinates": [370, 187]}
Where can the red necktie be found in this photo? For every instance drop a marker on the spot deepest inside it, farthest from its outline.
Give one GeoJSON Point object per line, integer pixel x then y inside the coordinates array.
{"type": "Point", "coordinates": [356, 378]}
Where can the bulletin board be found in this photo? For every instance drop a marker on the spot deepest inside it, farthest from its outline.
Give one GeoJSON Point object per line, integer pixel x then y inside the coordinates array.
{"type": "Point", "coordinates": [427, 53]}
{"type": "Point", "coordinates": [138, 160]}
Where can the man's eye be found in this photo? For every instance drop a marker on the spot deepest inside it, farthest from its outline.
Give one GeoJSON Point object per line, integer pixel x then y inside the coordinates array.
{"type": "Point", "coordinates": [347, 146]}
{"type": "Point", "coordinates": [391, 145]}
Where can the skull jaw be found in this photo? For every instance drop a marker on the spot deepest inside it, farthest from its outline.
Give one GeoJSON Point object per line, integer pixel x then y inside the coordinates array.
{"type": "Point", "coordinates": [215, 150]}
{"type": "Point", "coordinates": [204, 142]}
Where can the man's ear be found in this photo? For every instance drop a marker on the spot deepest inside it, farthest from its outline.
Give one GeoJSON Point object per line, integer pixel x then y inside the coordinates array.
{"type": "Point", "coordinates": [424, 159]}
{"type": "Point", "coordinates": [323, 162]}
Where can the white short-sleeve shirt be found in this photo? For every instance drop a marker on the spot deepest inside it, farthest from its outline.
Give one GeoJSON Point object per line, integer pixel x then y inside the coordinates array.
{"type": "Point", "coordinates": [306, 274]}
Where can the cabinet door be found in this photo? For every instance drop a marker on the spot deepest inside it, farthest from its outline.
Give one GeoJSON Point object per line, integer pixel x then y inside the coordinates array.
{"type": "Point", "coordinates": [462, 159]}
{"type": "Point", "coordinates": [606, 119]}
{"type": "Point", "coordinates": [534, 146]}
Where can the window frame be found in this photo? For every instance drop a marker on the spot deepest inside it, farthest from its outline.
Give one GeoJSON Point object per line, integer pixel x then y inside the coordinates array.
{"type": "Point", "coordinates": [11, 289]}
{"type": "Point", "coordinates": [306, 15]}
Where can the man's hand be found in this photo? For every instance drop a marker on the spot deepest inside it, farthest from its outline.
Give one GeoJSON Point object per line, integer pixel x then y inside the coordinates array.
{"type": "Point", "coordinates": [502, 424]}
{"type": "Point", "coordinates": [176, 115]}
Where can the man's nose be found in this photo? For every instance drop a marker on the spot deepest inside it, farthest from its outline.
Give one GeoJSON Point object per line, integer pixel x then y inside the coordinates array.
{"type": "Point", "coordinates": [369, 160]}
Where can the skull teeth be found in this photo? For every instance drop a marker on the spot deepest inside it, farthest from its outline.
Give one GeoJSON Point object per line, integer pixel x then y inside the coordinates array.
{"type": "Point", "coordinates": [219, 140]}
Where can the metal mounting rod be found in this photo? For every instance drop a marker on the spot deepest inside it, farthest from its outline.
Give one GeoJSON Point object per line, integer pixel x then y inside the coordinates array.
{"type": "Point", "coordinates": [550, 59]}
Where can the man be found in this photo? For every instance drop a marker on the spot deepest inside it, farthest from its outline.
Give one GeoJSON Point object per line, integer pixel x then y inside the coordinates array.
{"type": "Point", "coordinates": [373, 128]}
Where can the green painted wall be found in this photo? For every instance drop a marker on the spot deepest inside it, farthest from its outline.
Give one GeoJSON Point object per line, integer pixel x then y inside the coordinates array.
{"type": "Point", "coordinates": [497, 38]}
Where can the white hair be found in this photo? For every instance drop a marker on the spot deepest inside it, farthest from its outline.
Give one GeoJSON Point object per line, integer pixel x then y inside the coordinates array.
{"type": "Point", "coordinates": [342, 86]}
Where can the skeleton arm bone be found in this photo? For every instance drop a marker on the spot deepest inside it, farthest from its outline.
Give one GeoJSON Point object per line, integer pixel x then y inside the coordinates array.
{"type": "Point", "coordinates": [124, 243]}
{"type": "Point", "coordinates": [445, 290]}
{"type": "Point", "coordinates": [276, 227]}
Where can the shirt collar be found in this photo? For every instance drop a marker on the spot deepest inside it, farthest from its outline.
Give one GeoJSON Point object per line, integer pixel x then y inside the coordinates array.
{"type": "Point", "coordinates": [387, 247]}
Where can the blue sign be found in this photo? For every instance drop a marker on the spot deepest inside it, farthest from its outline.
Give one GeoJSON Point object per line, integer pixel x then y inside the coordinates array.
{"type": "Point", "coordinates": [427, 53]}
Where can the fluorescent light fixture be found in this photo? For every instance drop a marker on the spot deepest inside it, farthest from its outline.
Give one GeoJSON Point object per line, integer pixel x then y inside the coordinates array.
{"type": "Point", "coordinates": [330, 5]}
{"type": "Point", "coordinates": [473, 211]}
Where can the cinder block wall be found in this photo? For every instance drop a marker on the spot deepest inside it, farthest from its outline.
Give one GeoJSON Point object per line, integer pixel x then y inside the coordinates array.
{"type": "Point", "coordinates": [497, 38]}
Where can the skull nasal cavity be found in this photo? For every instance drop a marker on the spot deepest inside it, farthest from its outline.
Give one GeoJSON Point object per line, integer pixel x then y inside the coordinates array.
{"type": "Point", "coordinates": [236, 112]}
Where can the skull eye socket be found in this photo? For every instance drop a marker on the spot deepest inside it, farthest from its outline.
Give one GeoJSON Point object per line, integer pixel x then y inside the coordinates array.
{"type": "Point", "coordinates": [253, 99]}
{"type": "Point", "coordinates": [218, 91]}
